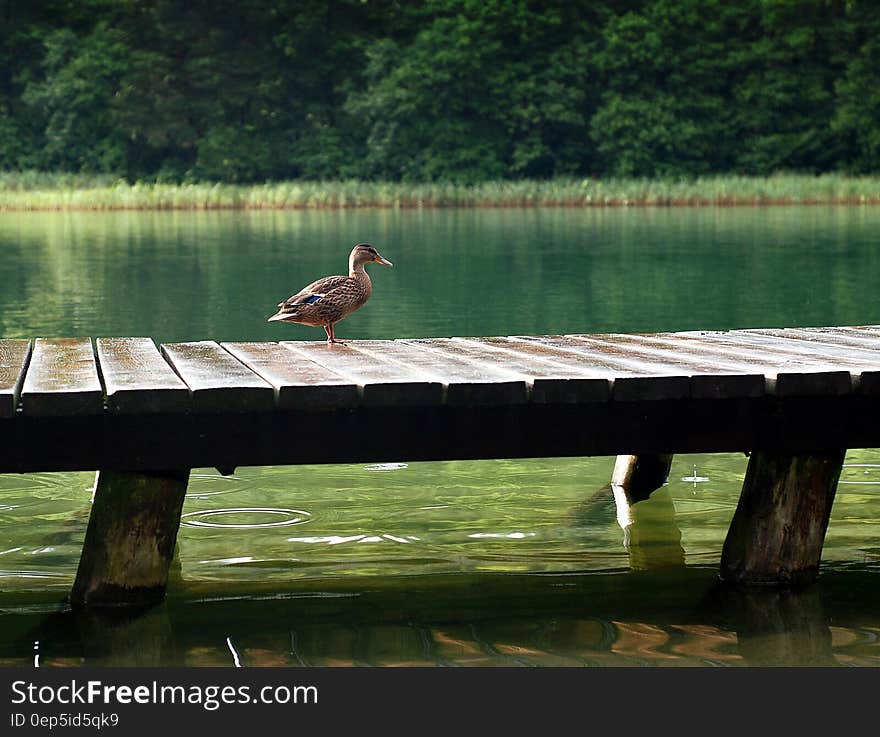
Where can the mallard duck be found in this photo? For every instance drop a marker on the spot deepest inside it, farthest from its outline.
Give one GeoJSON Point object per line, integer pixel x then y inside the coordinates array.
{"type": "Point", "coordinates": [326, 301]}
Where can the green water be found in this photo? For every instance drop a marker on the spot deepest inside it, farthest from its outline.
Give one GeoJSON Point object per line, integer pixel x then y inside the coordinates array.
{"type": "Point", "coordinates": [462, 563]}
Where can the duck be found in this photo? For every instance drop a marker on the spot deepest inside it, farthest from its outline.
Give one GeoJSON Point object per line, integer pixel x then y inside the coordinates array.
{"type": "Point", "coordinates": [326, 301]}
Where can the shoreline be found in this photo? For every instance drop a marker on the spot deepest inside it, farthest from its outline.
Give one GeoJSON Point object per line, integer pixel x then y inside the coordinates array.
{"type": "Point", "coordinates": [36, 191]}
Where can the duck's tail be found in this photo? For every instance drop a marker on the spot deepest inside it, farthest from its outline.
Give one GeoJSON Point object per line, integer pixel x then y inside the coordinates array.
{"type": "Point", "coordinates": [281, 315]}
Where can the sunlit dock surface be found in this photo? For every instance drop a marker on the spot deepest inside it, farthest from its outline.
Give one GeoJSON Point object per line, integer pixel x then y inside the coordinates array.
{"type": "Point", "coordinates": [145, 415]}
{"type": "Point", "coordinates": [133, 405]}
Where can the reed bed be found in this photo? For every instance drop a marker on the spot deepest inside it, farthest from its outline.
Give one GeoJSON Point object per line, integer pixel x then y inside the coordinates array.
{"type": "Point", "coordinates": [42, 191]}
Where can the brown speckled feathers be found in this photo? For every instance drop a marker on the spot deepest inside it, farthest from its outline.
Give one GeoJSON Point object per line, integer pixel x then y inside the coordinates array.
{"type": "Point", "coordinates": [326, 301]}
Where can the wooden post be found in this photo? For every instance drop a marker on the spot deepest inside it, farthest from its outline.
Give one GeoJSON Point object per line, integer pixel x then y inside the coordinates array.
{"type": "Point", "coordinates": [778, 530]}
{"type": "Point", "coordinates": [640, 475]}
{"type": "Point", "coordinates": [650, 534]}
{"type": "Point", "coordinates": [130, 538]}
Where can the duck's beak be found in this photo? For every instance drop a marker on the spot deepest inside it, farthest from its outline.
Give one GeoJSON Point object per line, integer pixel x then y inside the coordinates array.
{"type": "Point", "coordinates": [384, 261]}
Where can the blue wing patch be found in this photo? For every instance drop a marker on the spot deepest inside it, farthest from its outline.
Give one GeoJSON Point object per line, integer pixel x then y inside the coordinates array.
{"type": "Point", "coordinates": [314, 298]}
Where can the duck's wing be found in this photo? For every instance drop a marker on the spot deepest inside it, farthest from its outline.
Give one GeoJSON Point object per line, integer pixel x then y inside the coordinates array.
{"type": "Point", "coordinates": [314, 291]}
{"type": "Point", "coordinates": [309, 295]}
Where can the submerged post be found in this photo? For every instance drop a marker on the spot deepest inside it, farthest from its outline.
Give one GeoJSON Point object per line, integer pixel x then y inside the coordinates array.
{"type": "Point", "coordinates": [778, 529]}
{"type": "Point", "coordinates": [130, 538]}
{"type": "Point", "coordinates": [650, 534]}
{"type": "Point", "coordinates": [640, 475]}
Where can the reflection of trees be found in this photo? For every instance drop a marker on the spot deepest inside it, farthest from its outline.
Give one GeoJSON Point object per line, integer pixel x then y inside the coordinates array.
{"type": "Point", "coordinates": [191, 275]}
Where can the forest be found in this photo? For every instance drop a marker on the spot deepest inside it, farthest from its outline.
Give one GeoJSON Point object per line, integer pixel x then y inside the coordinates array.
{"type": "Point", "coordinates": [460, 91]}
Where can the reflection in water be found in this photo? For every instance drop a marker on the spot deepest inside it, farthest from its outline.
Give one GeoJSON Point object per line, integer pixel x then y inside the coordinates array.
{"type": "Point", "coordinates": [99, 274]}
{"type": "Point", "coordinates": [778, 626]}
{"type": "Point", "coordinates": [206, 518]}
{"type": "Point", "coordinates": [650, 534]}
{"type": "Point", "coordinates": [682, 617]}
{"type": "Point", "coordinates": [645, 511]}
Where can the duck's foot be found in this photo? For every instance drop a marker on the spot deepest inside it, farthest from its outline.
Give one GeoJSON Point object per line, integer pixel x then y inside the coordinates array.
{"type": "Point", "coordinates": [331, 341]}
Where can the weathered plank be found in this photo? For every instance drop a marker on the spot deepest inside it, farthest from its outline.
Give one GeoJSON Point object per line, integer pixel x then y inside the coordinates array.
{"type": "Point", "coordinates": [464, 382]}
{"type": "Point", "coordinates": [788, 374]}
{"type": "Point", "coordinates": [218, 381]}
{"type": "Point", "coordinates": [137, 379]}
{"type": "Point", "coordinates": [381, 382]}
{"type": "Point", "coordinates": [556, 376]}
{"type": "Point", "coordinates": [785, 341]}
{"type": "Point", "coordinates": [62, 379]}
{"type": "Point", "coordinates": [711, 377]}
{"type": "Point", "coordinates": [553, 380]}
{"type": "Point", "coordinates": [869, 383]}
{"type": "Point", "coordinates": [822, 374]}
{"type": "Point", "coordinates": [299, 383]}
{"type": "Point", "coordinates": [13, 359]}
{"type": "Point", "coordinates": [634, 380]}
{"type": "Point", "coordinates": [869, 334]}
{"type": "Point", "coordinates": [855, 347]}
{"type": "Point", "coordinates": [820, 337]}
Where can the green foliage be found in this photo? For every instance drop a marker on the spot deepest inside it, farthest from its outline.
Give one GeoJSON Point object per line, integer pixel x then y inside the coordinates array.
{"type": "Point", "coordinates": [35, 190]}
{"type": "Point", "coordinates": [439, 90]}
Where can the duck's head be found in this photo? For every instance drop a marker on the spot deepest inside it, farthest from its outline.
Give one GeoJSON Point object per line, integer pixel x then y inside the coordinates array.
{"type": "Point", "coordinates": [363, 253]}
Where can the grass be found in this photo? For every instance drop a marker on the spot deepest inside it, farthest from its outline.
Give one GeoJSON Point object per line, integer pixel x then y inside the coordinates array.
{"type": "Point", "coordinates": [43, 191]}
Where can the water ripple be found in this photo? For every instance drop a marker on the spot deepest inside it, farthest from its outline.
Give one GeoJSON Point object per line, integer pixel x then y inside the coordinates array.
{"type": "Point", "coordinates": [292, 517]}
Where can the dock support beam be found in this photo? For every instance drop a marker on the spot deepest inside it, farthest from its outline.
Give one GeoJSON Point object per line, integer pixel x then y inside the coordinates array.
{"type": "Point", "coordinates": [639, 476]}
{"type": "Point", "coordinates": [130, 538]}
{"type": "Point", "coordinates": [778, 529]}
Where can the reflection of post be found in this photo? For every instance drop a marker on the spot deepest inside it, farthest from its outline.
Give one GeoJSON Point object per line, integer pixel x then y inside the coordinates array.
{"type": "Point", "coordinates": [647, 519]}
{"type": "Point", "coordinates": [778, 626]}
{"type": "Point", "coordinates": [127, 637]}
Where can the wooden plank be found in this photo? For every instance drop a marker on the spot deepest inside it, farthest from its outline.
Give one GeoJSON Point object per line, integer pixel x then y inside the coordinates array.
{"type": "Point", "coordinates": [869, 383]}
{"type": "Point", "coordinates": [869, 334]}
{"type": "Point", "coordinates": [588, 382]}
{"type": "Point", "coordinates": [218, 381]}
{"type": "Point", "coordinates": [857, 339]}
{"type": "Point", "coordinates": [859, 349]}
{"type": "Point", "coordinates": [299, 383]}
{"type": "Point", "coordinates": [788, 374]}
{"type": "Point", "coordinates": [634, 380]}
{"type": "Point", "coordinates": [465, 382]}
{"type": "Point", "coordinates": [552, 380]}
{"type": "Point", "coordinates": [827, 348]}
{"type": "Point", "coordinates": [14, 356]}
{"type": "Point", "coordinates": [381, 382]}
{"type": "Point", "coordinates": [711, 377]}
{"type": "Point", "coordinates": [62, 379]}
{"type": "Point", "coordinates": [137, 379]}
{"type": "Point", "coordinates": [827, 371]}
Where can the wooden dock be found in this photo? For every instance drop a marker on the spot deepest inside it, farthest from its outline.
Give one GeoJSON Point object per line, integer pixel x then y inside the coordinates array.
{"type": "Point", "coordinates": [144, 415]}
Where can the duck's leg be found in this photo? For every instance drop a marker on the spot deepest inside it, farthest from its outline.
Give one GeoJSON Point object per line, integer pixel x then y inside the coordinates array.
{"type": "Point", "coordinates": [329, 334]}
{"type": "Point", "coordinates": [332, 334]}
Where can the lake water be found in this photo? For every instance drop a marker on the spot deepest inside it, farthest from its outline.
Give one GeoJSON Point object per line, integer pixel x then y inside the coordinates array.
{"type": "Point", "coordinates": [517, 562]}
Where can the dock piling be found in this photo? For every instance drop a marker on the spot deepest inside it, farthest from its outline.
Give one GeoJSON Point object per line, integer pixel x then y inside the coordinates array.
{"type": "Point", "coordinates": [130, 538]}
{"type": "Point", "coordinates": [640, 475]}
{"type": "Point", "coordinates": [778, 529]}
